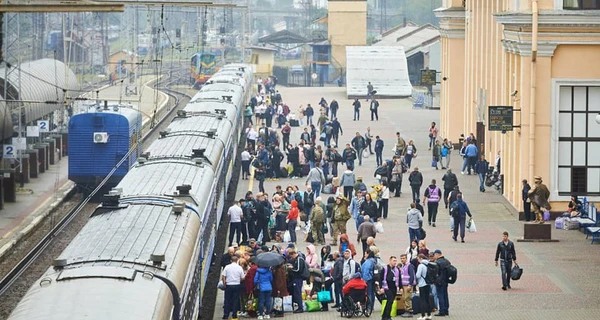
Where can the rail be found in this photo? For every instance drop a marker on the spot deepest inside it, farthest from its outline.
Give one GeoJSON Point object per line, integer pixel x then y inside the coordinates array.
{"type": "Point", "coordinates": [29, 259]}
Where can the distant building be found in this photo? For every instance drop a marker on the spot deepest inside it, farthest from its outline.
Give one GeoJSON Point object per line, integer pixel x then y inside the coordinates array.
{"type": "Point", "coordinates": [347, 26]}
{"type": "Point", "coordinates": [540, 60]}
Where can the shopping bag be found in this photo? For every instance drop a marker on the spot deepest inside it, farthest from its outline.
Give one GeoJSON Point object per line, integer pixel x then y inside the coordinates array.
{"type": "Point", "coordinates": [451, 223]}
{"type": "Point", "coordinates": [379, 227]}
{"type": "Point", "coordinates": [278, 304]}
{"type": "Point", "coordinates": [252, 303]}
{"type": "Point", "coordinates": [546, 215]}
{"type": "Point", "coordinates": [312, 305]}
{"type": "Point", "coordinates": [323, 136]}
{"type": "Point", "coordinates": [472, 227]}
{"type": "Point", "coordinates": [324, 296]}
{"type": "Point", "coordinates": [434, 163]}
{"type": "Point", "coordinates": [287, 304]}
{"type": "Point", "coordinates": [516, 272]}
{"type": "Point", "coordinates": [394, 310]}
{"type": "Point", "coordinates": [287, 237]}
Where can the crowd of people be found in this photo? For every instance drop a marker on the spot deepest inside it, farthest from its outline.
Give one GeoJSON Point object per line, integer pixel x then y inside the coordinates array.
{"type": "Point", "coordinates": [306, 271]}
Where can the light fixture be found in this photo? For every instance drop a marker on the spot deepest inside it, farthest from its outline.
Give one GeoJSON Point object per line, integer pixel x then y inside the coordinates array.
{"type": "Point", "coordinates": [598, 118]}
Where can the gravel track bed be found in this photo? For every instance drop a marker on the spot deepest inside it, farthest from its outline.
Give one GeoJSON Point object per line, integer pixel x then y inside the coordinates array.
{"type": "Point", "coordinates": [10, 299]}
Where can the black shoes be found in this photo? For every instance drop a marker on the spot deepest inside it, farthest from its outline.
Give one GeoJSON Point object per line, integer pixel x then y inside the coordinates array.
{"type": "Point", "coordinates": [454, 238]}
{"type": "Point", "coordinates": [433, 225]}
{"type": "Point", "coordinates": [298, 311]}
{"type": "Point", "coordinates": [508, 286]}
{"type": "Point", "coordinates": [462, 240]}
{"type": "Point", "coordinates": [504, 288]}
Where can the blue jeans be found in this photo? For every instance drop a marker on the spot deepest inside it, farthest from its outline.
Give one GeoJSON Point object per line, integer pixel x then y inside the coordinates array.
{"type": "Point", "coordinates": [442, 294]}
{"type": "Point", "coordinates": [378, 157]}
{"type": "Point", "coordinates": [358, 221]}
{"type": "Point", "coordinates": [264, 302]}
{"type": "Point", "coordinates": [356, 115]}
{"type": "Point", "coordinates": [416, 192]}
{"type": "Point", "coordinates": [460, 222]}
{"type": "Point", "coordinates": [350, 164]}
{"type": "Point", "coordinates": [505, 268]}
{"type": "Point", "coordinates": [435, 296]}
{"type": "Point", "coordinates": [408, 159]}
{"type": "Point", "coordinates": [465, 164]}
{"type": "Point", "coordinates": [359, 153]}
{"type": "Point", "coordinates": [431, 142]}
{"type": "Point", "coordinates": [232, 300]}
{"type": "Point", "coordinates": [311, 163]}
{"type": "Point", "coordinates": [481, 181]}
{"type": "Point", "coordinates": [316, 186]}
{"type": "Point", "coordinates": [292, 229]}
{"type": "Point", "coordinates": [371, 293]}
{"type": "Point", "coordinates": [308, 121]}
{"type": "Point", "coordinates": [414, 234]}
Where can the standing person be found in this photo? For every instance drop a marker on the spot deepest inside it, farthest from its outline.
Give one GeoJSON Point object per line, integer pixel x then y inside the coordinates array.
{"type": "Point", "coordinates": [397, 176]}
{"type": "Point", "coordinates": [359, 144]}
{"type": "Point", "coordinates": [374, 109]}
{"type": "Point", "coordinates": [446, 152]}
{"type": "Point", "coordinates": [378, 150]}
{"type": "Point", "coordinates": [368, 139]}
{"type": "Point", "coordinates": [365, 230]}
{"type": "Point", "coordinates": [309, 201]}
{"type": "Point", "coordinates": [276, 158]}
{"type": "Point", "coordinates": [460, 217]}
{"type": "Point", "coordinates": [452, 196]}
{"type": "Point", "coordinates": [333, 108]}
{"type": "Point", "coordinates": [389, 286]}
{"type": "Point", "coordinates": [305, 135]}
{"type": "Point", "coordinates": [337, 130]}
{"type": "Point", "coordinates": [248, 112]}
{"type": "Point", "coordinates": [251, 136]}
{"type": "Point", "coordinates": [355, 205]}
{"type": "Point", "coordinates": [433, 132]}
{"type": "Point", "coordinates": [246, 158]}
{"type": "Point", "coordinates": [441, 287]}
{"type": "Point", "coordinates": [409, 153]}
{"type": "Point", "coordinates": [408, 281]}
{"type": "Point", "coordinates": [416, 181]}
{"type": "Point", "coordinates": [424, 289]}
{"type": "Point", "coordinates": [367, 270]}
{"type": "Point", "coordinates": [316, 178]}
{"type": "Point", "coordinates": [292, 220]}
{"type": "Point", "coordinates": [384, 200]}
{"type": "Point", "coordinates": [339, 217]}
{"type": "Point", "coordinates": [309, 112]}
{"type": "Point", "coordinates": [356, 105]}
{"type": "Point", "coordinates": [471, 154]}
{"type": "Point", "coordinates": [296, 267]}
{"type": "Point", "coordinates": [337, 274]}
{"type": "Point", "coordinates": [369, 208]}
{"type": "Point", "coordinates": [506, 252]}
{"type": "Point", "coordinates": [369, 90]}
{"type": "Point", "coordinates": [259, 174]}
{"type": "Point", "coordinates": [232, 277]}
{"type": "Point", "coordinates": [317, 219]}
{"type": "Point", "coordinates": [432, 198]}
{"type": "Point", "coordinates": [400, 144]}
{"type": "Point", "coordinates": [347, 182]}
{"type": "Point", "coordinates": [263, 279]}
{"type": "Point", "coordinates": [481, 168]}
{"type": "Point", "coordinates": [349, 155]}
{"type": "Point", "coordinates": [285, 134]}
{"type": "Point", "coordinates": [437, 154]}
{"type": "Point", "coordinates": [235, 214]}
{"type": "Point", "coordinates": [450, 181]}
{"type": "Point", "coordinates": [526, 201]}
{"type": "Point", "coordinates": [414, 219]}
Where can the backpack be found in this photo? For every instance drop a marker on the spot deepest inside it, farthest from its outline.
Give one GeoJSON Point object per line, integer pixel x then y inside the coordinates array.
{"type": "Point", "coordinates": [454, 209]}
{"type": "Point", "coordinates": [378, 270]}
{"type": "Point", "coordinates": [305, 272]}
{"type": "Point", "coordinates": [451, 274]}
{"type": "Point", "coordinates": [444, 151]}
{"type": "Point", "coordinates": [433, 273]}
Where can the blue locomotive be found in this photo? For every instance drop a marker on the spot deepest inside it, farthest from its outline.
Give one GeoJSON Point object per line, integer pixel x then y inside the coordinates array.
{"type": "Point", "coordinates": [102, 140]}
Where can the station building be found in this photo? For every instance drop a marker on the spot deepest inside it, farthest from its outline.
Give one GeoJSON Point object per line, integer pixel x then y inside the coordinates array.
{"type": "Point", "coordinates": [540, 57]}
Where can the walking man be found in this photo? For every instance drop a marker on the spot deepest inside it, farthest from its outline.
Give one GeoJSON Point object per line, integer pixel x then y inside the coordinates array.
{"type": "Point", "coordinates": [441, 287]}
{"type": "Point", "coordinates": [432, 197]}
{"type": "Point", "coordinates": [450, 181]}
{"type": "Point", "coordinates": [333, 108]}
{"type": "Point", "coordinates": [356, 105]}
{"type": "Point", "coordinates": [365, 230]}
{"type": "Point", "coordinates": [369, 91]}
{"type": "Point", "coordinates": [374, 108]}
{"type": "Point", "coordinates": [389, 286]}
{"type": "Point", "coordinates": [339, 217]}
{"type": "Point", "coordinates": [368, 139]}
{"type": "Point", "coordinates": [235, 214]}
{"type": "Point", "coordinates": [316, 178]}
{"type": "Point", "coordinates": [460, 217]}
{"type": "Point", "coordinates": [337, 130]}
{"type": "Point", "coordinates": [416, 180]}
{"type": "Point", "coordinates": [408, 282]}
{"type": "Point", "coordinates": [506, 252]}
{"type": "Point", "coordinates": [232, 278]}
{"type": "Point", "coordinates": [378, 150]}
{"type": "Point", "coordinates": [245, 156]}
{"type": "Point", "coordinates": [481, 168]}
{"type": "Point", "coordinates": [359, 144]}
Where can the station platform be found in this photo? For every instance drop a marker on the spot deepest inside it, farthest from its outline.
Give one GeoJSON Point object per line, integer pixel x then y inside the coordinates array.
{"type": "Point", "coordinates": [43, 194]}
{"type": "Point", "coordinates": [558, 280]}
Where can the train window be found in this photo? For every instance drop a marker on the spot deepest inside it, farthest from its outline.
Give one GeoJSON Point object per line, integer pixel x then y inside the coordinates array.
{"type": "Point", "coordinates": [97, 272]}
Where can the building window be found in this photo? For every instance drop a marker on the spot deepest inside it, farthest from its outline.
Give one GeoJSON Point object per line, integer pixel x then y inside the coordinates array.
{"type": "Point", "coordinates": [579, 141]}
{"type": "Point", "coordinates": [581, 4]}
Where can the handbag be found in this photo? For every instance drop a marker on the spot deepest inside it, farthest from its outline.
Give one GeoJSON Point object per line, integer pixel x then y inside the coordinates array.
{"type": "Point", "coordinates": [433, 163]}
{"type": "Point", "coordinates": [324, 296]}
{"type": "Point", "coordinates": [422, 233]}
{"type": "Point", "coordinates": [324, 228]}
{"type": "Point", "coordinates": [516, 272]}
{"type": "Point", "coordinates": [312, 305]}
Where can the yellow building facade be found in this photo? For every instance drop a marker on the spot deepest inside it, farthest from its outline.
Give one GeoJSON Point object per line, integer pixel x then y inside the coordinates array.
{"type": "Point", "coordinates": [540, 57]}
{"type": "Point", "coordinates": [347, 26]}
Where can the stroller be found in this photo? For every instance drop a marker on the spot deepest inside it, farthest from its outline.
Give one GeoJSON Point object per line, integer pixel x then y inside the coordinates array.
{"type": "Point", "coordinates": [355, 301]}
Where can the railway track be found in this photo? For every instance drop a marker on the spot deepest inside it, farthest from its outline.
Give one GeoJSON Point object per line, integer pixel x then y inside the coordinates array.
{"type": "Point", "coordinates": [39, 253]}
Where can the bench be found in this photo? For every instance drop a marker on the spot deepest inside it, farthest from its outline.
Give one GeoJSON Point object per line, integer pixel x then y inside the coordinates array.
{"type": "Point", "coordinates": [420, 102]}
{"type": "Point", "coordinates": [591, 223]}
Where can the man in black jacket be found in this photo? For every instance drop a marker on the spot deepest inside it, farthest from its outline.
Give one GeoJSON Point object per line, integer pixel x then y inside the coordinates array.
{"type": "Point", "coordinates": [337, 274]}
{"type": "Point", "coordinates": [506, 252]}
{"type": "Point", "coordinates": [333, 107]}
{"type": "Point", "coordinates": [389, 286]}
{"type": "Point", "coordinates": [296, 267]}
{"type": "Point", "coordinates": [276, 158]}
{"type": "Point", "coordinates": [450, 181]}
{"type": "Point", "coordinates": [416, 181]}
{"type": "Point", "coordinates": [441, 286]}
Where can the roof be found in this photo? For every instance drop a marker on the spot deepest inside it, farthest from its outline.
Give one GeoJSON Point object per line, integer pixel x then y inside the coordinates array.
{"type": "Point", "coordinates": [412, 37]}
{"type": "Point", "coordinates": [261, 48]}
{"type": "Point", "coordinates": [283, 37]}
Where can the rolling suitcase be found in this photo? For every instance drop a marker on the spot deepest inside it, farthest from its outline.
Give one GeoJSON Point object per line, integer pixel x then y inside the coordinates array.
{"type": "Point", "coordinates": [305, 169]}
{"type": "Point", "coordinates": [416, 303]}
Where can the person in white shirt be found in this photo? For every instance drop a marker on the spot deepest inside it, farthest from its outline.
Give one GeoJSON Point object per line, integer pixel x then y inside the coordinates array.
{"type": "Point", "coordinates": [383, 201]}
{"type": "Point", "coordinates": [235, 214]}
{"type": "Point", "coordinates": [246, 158]}
{"type": "Point", "coordinates": [251, 136]}
{"type": "Point", "coordinates": [232, 277]}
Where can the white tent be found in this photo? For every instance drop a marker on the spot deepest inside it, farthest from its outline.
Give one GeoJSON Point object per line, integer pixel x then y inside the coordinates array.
{"type": "Point", "coordinates": [385, 67]}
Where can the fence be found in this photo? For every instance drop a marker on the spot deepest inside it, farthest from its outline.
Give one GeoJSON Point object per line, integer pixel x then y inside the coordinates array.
{"type": "Point", "coordinates": [422, 95]}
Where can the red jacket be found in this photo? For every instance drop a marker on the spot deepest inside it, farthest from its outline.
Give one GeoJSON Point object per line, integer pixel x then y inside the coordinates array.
{"type": "Point", "coordinates": [249, 279]}
{"type": "Point", "coordinates": [356, 283]}
{"type": "Point", "coordinates": [293, 214]}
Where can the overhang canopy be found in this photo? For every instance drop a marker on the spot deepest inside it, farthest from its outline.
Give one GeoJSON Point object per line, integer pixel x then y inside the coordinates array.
{"type": "Point", "coordinates": [283, 37]}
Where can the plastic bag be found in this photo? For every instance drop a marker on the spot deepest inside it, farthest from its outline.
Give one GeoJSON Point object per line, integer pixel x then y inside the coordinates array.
{"type": "Point", "coordinates": [451, 223]}
{"type": "Point", "coordinates": [287, 237]}
{"type": "Point", "coordinates": [546, 215]}
{"type": "Point", "coordinates": [472, 227]}
{"type": "Point", "coordinates": [287, 304]}
{"type": "Point", "coordinates": [379, 227]}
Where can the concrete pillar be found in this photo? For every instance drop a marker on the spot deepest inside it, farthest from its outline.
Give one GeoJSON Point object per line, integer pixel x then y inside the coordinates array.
{"type": "Point", "coordinates": [58, 145]}
{"type": "Point", "coordinates": [41, 147]}
{"type": "Point", "coordinates": [34, 167]}
{"type": "Point", "coordinates": [8, 184]}
{"type": "Point", "coordinates": [23, 172]}
{"type": "Point", "coordinates": [51, 150]}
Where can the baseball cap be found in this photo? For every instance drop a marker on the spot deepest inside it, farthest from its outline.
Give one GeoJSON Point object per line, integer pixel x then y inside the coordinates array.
{"type": "Point", "coordinates": [437, 251]}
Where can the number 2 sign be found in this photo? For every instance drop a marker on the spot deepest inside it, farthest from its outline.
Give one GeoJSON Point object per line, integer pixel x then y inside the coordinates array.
{"type": "Point", "coordinates": [43, 125]}
{"type": "Point", "coordinates": [9, 151]}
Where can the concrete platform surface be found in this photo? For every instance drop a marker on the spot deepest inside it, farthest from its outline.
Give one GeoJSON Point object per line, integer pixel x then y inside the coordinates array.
{"type": "Point", "coordinates": [560, 280]}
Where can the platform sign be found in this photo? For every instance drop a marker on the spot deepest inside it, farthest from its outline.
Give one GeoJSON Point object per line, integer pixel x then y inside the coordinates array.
{"type": "Point", "coordinates": [19, 143]}
{"type": "Point", "coordinates": [43, 125]}
{"type": "Point", "coordinates": [9, 151]}
{"type": "Point", "coordinates": [428, 77]}
{"type": "Point", "coordinates": [500, 118]}
{"type": "Point", "coordinates": [33, 131]}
